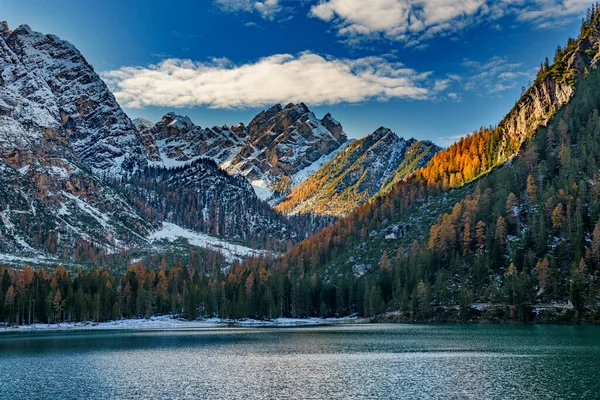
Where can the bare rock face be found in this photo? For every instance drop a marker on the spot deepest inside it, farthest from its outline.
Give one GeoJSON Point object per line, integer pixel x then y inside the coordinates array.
{"type": "Point", "coordinates": [270, 152]}
{"type": "Point", "coordinates": [534, 109]}
{"type": "Point", "coordinates": [548, 94]}
{"type": "Point", "coordinates": [47, 83]}
{"type": "Point", "coordinates": [284, 141]}
{"type": "Point", "coordinates": [60, 130]}
{"type": "Point", "coordinates": [176, 141]}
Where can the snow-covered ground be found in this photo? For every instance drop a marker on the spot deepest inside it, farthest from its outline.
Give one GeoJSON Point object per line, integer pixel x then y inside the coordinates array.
{"type": "Point", "coordinates": [261, 188]}
{"type": "Point", "coordinates": [162, 322]}
{"type": "Point", "coordinates": [231, 252]}
{"type": "Point", "coordinates": [309, 171]}
{"type": "Point", "coordinates": [19, 261]}
{"type": "Point", "coordinates": [293, 321]}
{"type": "Point", "coordinates": [169, 322]}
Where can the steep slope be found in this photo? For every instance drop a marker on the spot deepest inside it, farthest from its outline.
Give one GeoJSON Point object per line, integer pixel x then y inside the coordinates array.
{"type": "Point", "coordinates": [55, 113]}
{"type": "Point", "coordinates": [54, 206]}
{"type": "Point", "coordinates": [526, 234]}
{"type": "Point", "coordinates": [365, 168]}
{"type": "Point", "coordinates": [281, 143]}
{"type": "Point", "coordinates": [476, 154]}
{"type": "Point", "coordinates": [278, 150]}
{"type": "Point", "coordinates": [202, 197]}
{"type": "Point", "coordinates": [80, 181]}
{"type": "Point", "coordinates": [47, 82]}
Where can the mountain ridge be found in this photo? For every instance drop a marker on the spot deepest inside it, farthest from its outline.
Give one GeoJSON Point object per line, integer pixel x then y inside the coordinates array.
{"type": "Point", "coordinates": [70, 155]}
{"type": "Point", "coordinates": [366, 168]}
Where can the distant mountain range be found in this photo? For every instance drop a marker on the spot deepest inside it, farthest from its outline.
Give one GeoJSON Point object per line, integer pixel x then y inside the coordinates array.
{"type": "Point", "coordinates": [271, 152]}
{"type": "Point", "coordinates": [81, 179]}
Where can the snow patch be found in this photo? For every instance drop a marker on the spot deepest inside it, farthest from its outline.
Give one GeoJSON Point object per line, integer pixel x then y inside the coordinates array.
{"type": "Point", "coordinates": [261, 188]}
{"type": "Point", "coordinates": [309, 171]}
{"type": "Point", "coordinates": [231, 252]}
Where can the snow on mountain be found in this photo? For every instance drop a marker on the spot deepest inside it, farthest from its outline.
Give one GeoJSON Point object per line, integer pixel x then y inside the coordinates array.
{"type": "Point", "coordinates": [232, 252]}
{"type": "Point", "coordinates": [53, 207]}
{"type": "Point", "coordinates": [278, 150]}
{"type": "Point", "coordinates": [281, 143]}
{"type": "Point", "coordinates": [202, 197]}
{"type": "Point", "coordinates": [363, 169]}
{"type": "Point", "coordinates": [58, 125]}
{"type": "Point", "coordinates": [80, 179]}
{"type": "Point", "coordinates": [142, 124]}
{"type": "Point", "coordinates": [309, 171]}
{"type": "Point", "coordinates": [47, 84]}
{"type": "Point", "coordinates": [176, 141]}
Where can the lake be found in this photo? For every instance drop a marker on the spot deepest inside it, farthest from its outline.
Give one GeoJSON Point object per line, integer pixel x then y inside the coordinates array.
{"type": "Point", "coordinates": [324, 362]}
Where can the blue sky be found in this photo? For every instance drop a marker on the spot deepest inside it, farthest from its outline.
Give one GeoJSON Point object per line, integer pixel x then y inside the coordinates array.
{"type": "Point", "coordinates": [430, 69]}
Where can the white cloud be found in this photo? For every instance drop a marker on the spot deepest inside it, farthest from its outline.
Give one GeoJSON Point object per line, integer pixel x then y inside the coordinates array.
{"type": "Point", "coordinates": [494, 76]}
{"type": "Point", "coordinates": [268, 9]}
{"type": "Point", "coordinates": [544, 13]}
{"type": "Point", "coordinates": [414, 21]}
{"type": "Point", "coordinates": [406, 20]}
{"type": "Point", "coordinates": [307, 77]}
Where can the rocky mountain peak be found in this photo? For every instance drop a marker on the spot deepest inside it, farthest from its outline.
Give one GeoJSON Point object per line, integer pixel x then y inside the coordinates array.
{"type": "Point", "coordinates": [300, 108]}
{"type": "Point", "coordinates": [366, 168]}
{"type": "Point", "coordinates": [23, 30]}
{"type": "Point", "coordinates": [282, 142]}
{"type": "Point", "coordinates": [334, 127]}
{"type": "Point", "coordinates": [175, 141]}
{"type": "Point", "coordinates": [381, 132]}
{"type": "Point", "coordinates": [263, 117]}
{"type": "Point", "coordinates": [175, 124]}
{"type": "Point", "coordinates": [48, 84]}
{"type": "Point", "coordinates": [4, 30]}
{"type": "Point", "coordinates": [142, 124]}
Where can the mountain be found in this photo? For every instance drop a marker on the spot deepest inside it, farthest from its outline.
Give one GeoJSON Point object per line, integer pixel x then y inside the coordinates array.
{"type": "Point", "coordinates": [282, 149]}
{"type": "Point", "coordinates": [365, 168]}
{"type": "Point", "coordinates": [81, 180]}
{"type": "Point", "coordinates": [142, 124]}
{"type": "Point", "coordinates": [281, 143]}
{"type": "Point", "coordinates": [201, 197]}
{"type": "Point", "coordinates": [278, 150]}
{"type": "Point", "coordinates": [47, 84]}
{"type": "Point", "coordinates": [477, 154]}
{"type": "Point", "coordinates": [58, 125]}
{"type": "Point", "coordinates": [502, 226]}
{"type": "Point", "coordinates": [176, 141]}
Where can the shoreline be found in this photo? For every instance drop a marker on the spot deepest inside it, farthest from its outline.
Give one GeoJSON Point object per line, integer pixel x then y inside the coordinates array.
{"type": "Point", "coordinates": [168, 322]}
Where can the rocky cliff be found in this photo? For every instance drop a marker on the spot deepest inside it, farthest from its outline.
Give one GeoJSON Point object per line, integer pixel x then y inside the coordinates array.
{"type": "Point", "coordinates": [47, 84]}
{"type": "Point", "coordinates": [281, 143]}
{"type": "Point", "coordinates": [59, 125]}
{"type": "Point", "coordinates": [552, 89]}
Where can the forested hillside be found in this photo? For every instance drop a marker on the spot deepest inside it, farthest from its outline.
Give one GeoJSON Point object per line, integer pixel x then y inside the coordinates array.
{"type": "Point", "coordinates": [504, 225]}
{"type": "Point", "coordinates": [202, 197]}
{"type": "Point", "coordinates": [523, 241]}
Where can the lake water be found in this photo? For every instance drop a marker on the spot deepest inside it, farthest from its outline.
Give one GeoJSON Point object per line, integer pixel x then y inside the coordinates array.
{"type": "Point", "coordinates": [327, 362]}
